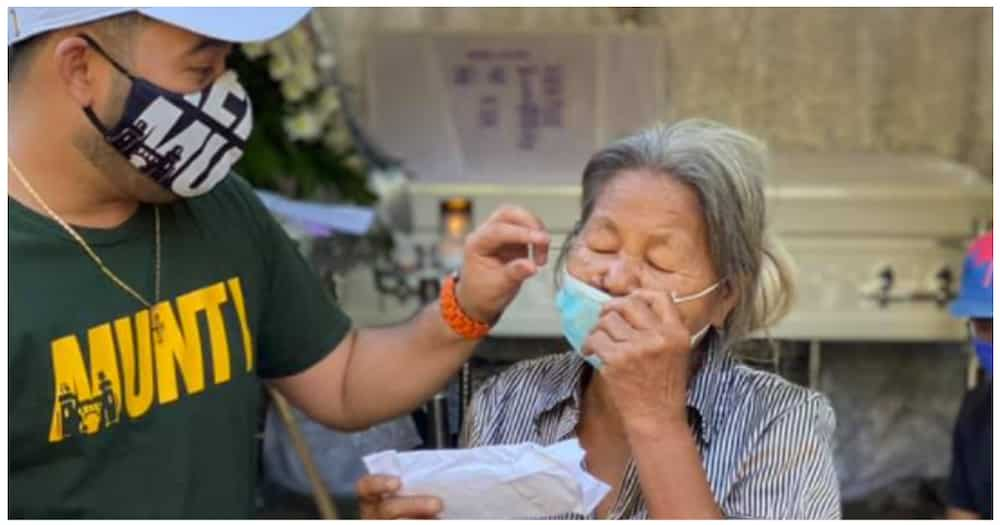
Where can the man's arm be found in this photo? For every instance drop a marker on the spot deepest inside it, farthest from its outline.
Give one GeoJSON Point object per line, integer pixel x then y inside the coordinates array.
{"type": "Point", "coordinates": [374, 375]}
{"type": "Point", "coordinates": [377, 374]}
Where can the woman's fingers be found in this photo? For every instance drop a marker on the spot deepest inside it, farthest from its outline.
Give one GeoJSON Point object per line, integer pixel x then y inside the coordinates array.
{"type": "Point", "coordinates": [648, 310]}
{"type": "Point", "coordinates": [599, 343]}
{"type": "Point", "coordinates": [376, 486]}
{"type": "Point", "coordinates": [377, 495]}
{"type": "Point", "coordinates": [410, 507]}
{"type": "Point", "coordinates": [617, 327]}
{"type": "Point", "coordinates": [660, 303]}
{"type": "Point", "coordinates": [635, 309]}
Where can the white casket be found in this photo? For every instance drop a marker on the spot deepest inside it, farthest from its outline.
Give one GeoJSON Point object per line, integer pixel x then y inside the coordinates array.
{"type": "Point", "coordinates": [878, 239]}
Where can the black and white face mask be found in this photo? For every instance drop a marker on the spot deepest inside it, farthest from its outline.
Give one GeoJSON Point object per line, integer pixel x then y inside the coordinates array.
{"type": "Point", "coordinates": [186, 143]}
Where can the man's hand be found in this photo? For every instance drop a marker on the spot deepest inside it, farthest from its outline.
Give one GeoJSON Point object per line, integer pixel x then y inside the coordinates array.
{"type": "Point", "coordinates": [375, 374]}
{"type": "Point", "coordinates": [495, 261]}
{"type": "Point", "coordinates": [379, 500]}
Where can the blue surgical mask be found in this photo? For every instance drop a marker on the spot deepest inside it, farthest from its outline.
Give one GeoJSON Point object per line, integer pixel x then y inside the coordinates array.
{"type": "Point", "coordinates": [579, 306]}
{"type": "Point", "coordinates": [984, 351]}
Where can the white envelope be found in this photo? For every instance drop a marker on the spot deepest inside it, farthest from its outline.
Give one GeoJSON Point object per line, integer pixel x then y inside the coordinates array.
{"type": "Point", "coordinates": [498, 482]}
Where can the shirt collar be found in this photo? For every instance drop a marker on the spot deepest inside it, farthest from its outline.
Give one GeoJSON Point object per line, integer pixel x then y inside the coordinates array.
{"type": "Point", "coordinates": [565, 385]}
{"type": "Point", "coordinates": [704, 394]}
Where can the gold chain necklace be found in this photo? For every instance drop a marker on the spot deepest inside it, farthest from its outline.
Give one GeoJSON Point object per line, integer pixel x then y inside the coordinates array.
{"type": "Point", "coordinates": [157, 326]}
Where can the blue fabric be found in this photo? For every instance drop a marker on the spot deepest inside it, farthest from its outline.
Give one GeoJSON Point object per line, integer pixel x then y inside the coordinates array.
{"type": "Point", "coordinates": [579, 308]}
{"type": "Point", "coordinates": [984, 350]}
{"type": "Point", "coordinates": [975, 297]}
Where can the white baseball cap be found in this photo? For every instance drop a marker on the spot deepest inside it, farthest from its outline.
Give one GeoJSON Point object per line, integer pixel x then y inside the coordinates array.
{"type": "Point", "coordinates": [230, 24]}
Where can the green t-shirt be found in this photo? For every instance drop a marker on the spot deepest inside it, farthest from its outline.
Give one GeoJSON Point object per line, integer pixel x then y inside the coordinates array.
{"type": "Point", "coordinates": [109, 420]}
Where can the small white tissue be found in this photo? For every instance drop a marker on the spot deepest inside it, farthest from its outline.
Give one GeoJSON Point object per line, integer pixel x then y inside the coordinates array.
{"type": "Point", "coordinates": [498, 482]}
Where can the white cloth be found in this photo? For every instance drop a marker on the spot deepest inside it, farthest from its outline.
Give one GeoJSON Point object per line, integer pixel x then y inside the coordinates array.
{"type": "Point", "coordinates": [320, 218]}
{"type": "Point", "coordinates": [497, 482]}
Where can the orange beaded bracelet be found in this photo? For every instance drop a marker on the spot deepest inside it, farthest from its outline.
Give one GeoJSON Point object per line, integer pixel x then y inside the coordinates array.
{"type": "Point", "coordinates": [457, 319]}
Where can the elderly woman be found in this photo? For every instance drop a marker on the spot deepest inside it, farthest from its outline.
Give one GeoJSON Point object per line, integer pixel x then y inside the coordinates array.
{"type": "Point", "coordinates": [668, 268]}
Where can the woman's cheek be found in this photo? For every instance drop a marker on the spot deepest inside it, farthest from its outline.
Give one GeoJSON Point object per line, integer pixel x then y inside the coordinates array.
{"type": "Point", "coordinates": [583, 264]}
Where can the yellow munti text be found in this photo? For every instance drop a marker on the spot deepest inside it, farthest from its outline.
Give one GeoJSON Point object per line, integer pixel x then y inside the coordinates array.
{"type": "Point", "coordinates": [129, 366]}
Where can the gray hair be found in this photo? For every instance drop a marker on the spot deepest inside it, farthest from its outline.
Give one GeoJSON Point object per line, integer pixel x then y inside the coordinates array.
{"type": "Point", "coordinates": [727, 169]}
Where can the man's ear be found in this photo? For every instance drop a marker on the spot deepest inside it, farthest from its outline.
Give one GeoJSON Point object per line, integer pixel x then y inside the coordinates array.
{"type": "Point", "coordinates": [729, 295]}
{"type": "Point", "coordinates": [77, 67]}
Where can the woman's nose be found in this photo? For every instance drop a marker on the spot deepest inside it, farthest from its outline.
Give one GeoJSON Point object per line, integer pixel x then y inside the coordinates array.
{"type": "Point", "coordinates": [622, 276]}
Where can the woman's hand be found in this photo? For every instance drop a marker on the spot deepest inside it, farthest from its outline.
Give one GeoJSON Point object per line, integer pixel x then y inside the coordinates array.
{"type": "Point", "coordinates": [646, 351]}
{"type": "Point", "coordinates": [379, 500]}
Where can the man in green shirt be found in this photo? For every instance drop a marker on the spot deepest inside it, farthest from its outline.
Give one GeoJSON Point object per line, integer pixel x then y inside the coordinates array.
{"type": "Point", "coordinates": [145, 309]}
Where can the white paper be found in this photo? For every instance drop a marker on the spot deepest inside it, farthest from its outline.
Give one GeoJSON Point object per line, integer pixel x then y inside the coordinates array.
{"type": "Point", "coordinates": [518, 107]}
{"type": "Point", "coordinates": [498, 482]}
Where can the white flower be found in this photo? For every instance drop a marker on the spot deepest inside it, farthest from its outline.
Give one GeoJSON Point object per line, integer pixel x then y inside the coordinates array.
{"type": "Point", "coordinates": [292, 90]}
{"type": "Point", "coordinates": [280, 66]}
{"type": "Point", "coordinates": [306, 77]}
{"type": "Point", "coordinates": [329, 102]}
{"type": "Point", "coordinates": [303, 126]}
{"type": "Point", "coordinates": [338, 139]}
{"type": "Point", "coordinates": [298, 38]}
{"type": "Point", "coordinates": [276, 46]}
{"type": "Point", "coordinates": [326, 60]}
{"type": "Point", "coordinates": [254, 50]}
{"type": "Point", "coordinates": [355, 162]}
{"type": "Point", "coordinates": [299, 46]}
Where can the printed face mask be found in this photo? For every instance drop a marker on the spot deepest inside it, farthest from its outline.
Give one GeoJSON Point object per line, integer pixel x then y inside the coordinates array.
{"type": "Point", "coordinates": [186, 143]}
{"type": "Point", "coordinates": [579, 306]}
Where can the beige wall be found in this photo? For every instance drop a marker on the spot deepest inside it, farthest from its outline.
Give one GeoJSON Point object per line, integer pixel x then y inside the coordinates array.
{"type": "Point", "coordinates": [831, 79]}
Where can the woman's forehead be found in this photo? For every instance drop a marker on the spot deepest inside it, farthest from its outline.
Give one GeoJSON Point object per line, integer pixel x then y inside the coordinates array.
{"type": "Point", "coordinates": [650, 200]}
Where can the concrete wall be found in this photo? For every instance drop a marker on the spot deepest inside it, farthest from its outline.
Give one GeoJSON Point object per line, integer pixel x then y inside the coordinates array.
{"type": "Point", "coordinates": [817, 79]}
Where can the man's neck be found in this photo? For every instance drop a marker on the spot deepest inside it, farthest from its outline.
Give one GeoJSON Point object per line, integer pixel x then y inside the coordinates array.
{"type": "Point", "coordinates": [69, 184]}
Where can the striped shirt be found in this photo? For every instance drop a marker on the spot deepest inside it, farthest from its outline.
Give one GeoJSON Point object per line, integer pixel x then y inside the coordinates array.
{"type": "Point", "coordinates": [765, 443]}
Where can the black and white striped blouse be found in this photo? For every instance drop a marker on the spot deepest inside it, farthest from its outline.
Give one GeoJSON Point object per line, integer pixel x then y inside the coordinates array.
{"type": "Point", "coordinates": [766, 444]}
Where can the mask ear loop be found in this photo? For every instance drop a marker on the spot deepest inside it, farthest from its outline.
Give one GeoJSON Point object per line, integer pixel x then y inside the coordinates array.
{"type": "Point", "coordinates": [96, 121]}
{"type": "Point", "coordinates": [697, 337]}
{"type": "Point", "coordinates": [100, 50]}
{"type": "Point", "coordinates": [692, 297]}
{"type": "Point", "coordinates": [88, 110]}
{"type": "Point", "coordinates": [700, 335]}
